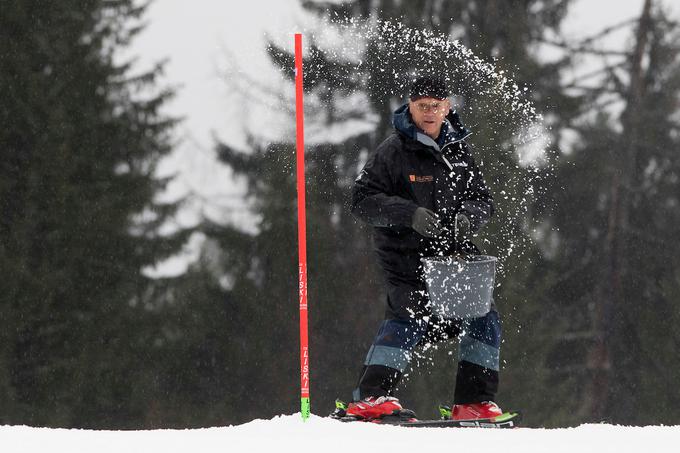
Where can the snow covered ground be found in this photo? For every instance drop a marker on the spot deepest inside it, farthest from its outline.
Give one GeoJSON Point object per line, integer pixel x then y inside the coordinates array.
{"type": "Point", "coordinates": [288, 433]}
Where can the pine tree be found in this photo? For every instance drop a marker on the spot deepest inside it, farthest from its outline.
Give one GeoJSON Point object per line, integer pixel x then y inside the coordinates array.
{"type": "Point", "coordinates": [617, 247]}
{"type": "Point", "coordinates": [80, 141]}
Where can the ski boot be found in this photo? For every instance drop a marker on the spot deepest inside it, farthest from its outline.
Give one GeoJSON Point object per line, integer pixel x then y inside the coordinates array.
{"type": "Point", "coordinates": [383, 409]}
{"type": "Point", "coordinates": [474, 411]}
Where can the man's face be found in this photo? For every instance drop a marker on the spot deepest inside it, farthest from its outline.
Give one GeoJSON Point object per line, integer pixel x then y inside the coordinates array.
{"type": "Point", "coordinates": [429, 113]}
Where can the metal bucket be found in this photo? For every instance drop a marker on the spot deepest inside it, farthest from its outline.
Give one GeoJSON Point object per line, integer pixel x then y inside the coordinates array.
{"type": "Point", "coordinates": [460, 288]}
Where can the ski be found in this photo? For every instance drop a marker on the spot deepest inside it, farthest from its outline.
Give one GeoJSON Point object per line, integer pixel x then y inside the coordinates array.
{"type": "Point", "coordinates": [408, 419]}
{"type": "Point", "coordinates": [505, 420]}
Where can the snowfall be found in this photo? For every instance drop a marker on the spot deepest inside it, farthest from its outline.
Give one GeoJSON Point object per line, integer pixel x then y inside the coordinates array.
{"type": "Point", "coordinates": [288, 433]}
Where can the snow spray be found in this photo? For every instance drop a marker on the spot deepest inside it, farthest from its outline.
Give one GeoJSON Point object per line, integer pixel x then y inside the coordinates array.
{"type": "Point", "coordinates": [363, 59]}
{"type": "Point", "coordinates": [305, 406]}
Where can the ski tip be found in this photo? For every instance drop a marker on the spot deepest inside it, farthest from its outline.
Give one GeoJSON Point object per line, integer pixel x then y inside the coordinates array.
{"type": "Point", "coordinates": [506, 416]}
{"type": "Point", "coordinates": [340, 410]}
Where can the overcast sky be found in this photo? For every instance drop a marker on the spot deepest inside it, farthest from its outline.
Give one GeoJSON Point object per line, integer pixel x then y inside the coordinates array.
{"type": "Point", "coordinates": [196, 36]}
{"type": "Point", "coordinates": [199, 38]}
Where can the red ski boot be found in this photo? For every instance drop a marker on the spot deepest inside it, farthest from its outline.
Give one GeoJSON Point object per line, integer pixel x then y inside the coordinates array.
{"type": "Point", "coordinates": [474, 411]}
{"type": "Point", "coordinates": [372, 408]}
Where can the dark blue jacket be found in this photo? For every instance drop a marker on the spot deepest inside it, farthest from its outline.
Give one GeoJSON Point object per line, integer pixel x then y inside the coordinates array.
{"type": "Point", "coordinates": [409, 170]}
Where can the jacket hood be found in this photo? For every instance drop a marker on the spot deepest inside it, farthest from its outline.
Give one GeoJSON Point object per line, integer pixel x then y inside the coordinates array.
{"type": "Point", "coordinates": [452, 129]}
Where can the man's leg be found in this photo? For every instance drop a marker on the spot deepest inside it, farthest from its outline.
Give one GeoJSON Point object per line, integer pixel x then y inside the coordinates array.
{"type": "Point", "coordinates": [477, 378]}
{"type": "Point", "coordinates": [402, 329]}
{"type": "Point", "coordinates": [388, 357]}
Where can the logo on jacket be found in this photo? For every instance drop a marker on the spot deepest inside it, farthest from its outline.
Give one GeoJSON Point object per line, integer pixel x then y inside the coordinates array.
{"type": "Point", "coordinates": [416, 178]}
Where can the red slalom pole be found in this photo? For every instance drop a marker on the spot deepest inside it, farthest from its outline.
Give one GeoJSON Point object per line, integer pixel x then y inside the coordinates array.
{"type": "Point", "coordinates": [305, 406]}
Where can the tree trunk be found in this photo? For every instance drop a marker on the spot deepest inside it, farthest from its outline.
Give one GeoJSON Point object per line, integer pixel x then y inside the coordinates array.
{"type": "Point", "coordinates": [610, 293]}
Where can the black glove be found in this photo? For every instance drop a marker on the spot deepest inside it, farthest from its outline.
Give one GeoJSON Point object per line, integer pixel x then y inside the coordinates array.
{"type": "Point", "coordinates": [463, 227]}
{"type": "Point", "coordinates": [426, 223]}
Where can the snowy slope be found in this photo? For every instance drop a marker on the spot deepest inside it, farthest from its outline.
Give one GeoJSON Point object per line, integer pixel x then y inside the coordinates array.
{"type": "Point", "coordinates": [289, 434]}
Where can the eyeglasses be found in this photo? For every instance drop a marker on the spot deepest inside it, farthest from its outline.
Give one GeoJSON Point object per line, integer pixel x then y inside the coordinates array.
{"type": "Point", "coordinates": [424, 107]}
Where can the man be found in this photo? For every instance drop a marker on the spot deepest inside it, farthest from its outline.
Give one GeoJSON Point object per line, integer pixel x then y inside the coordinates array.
{"type": "Point", "coordinates": [420, 182]}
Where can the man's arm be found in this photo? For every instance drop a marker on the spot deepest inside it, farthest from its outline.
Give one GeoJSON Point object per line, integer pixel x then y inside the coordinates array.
{"type": "Point", "coordinates": [372, 196]}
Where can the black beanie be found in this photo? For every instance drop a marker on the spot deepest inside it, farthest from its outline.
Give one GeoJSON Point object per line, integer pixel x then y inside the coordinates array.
{"type": "Point", "coordinates": [430, 87]}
